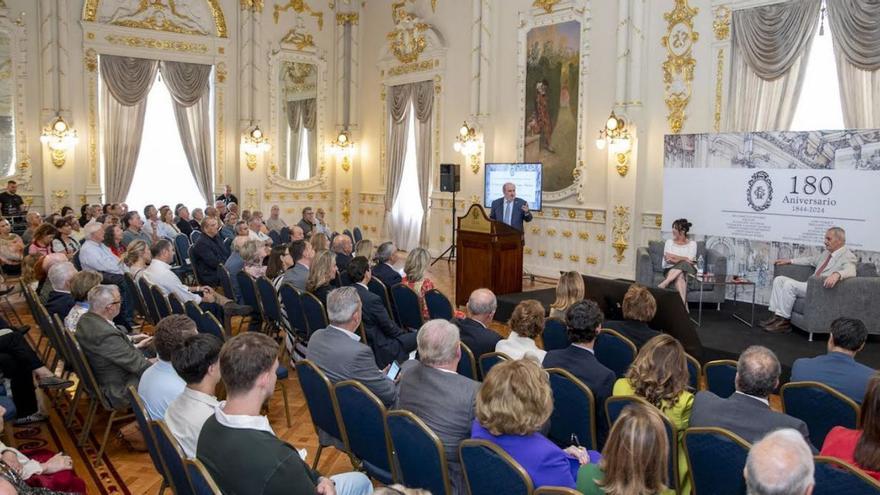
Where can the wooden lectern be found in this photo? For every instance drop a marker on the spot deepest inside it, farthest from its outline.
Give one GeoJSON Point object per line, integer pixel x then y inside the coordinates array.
{"type": "Point", "coordinates": [489, 254]}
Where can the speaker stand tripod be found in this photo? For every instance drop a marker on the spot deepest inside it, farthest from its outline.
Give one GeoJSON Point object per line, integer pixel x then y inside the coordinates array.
{"type": "Point", "coordinates": [449, 253]}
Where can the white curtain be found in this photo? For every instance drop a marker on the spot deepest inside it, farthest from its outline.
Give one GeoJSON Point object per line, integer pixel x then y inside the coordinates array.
{"type": "Point", "coordinates": [855, 31]}
{"type": "Point", "coordinates": [771, 45]}
{"type": "Point", "coordinates": [407, 214]}
{"type": "Point", "coordinates": [301, 124]}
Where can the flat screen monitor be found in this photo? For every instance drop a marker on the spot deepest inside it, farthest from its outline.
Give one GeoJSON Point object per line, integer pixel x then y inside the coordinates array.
{"type": "Point", "coordinates": [526, 176]}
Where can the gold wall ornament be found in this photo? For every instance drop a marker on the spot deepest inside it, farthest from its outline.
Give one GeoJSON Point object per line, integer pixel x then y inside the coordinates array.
{"type": "Point", "coordinates": [407, 41]}
{"type": "Point", "coordinates": [442, 238]}
{"type": "Point", "coordinates": [588, 214]}
{"type": "Point", "coordinates": [251, 195]}
{"type": "Point", "coordinates": [721, 23]}
{"type": "Point", "coordinates": [90, 59]}
{"type": "Point", "coordinates": [139, 42]}
{"type": "Point", "coordinates": [574, 258]}
{"type": "Point", "coordinates": [220, 72]}
{"type": "Point", "coordinates": [592, 260]}
{"type": "Point", "coordinates": [547, 5]}
{"type": "Point", "coordinates": [475, 199]}
{"type": "Point", "coordinates": [536, 230]}
{"type": "Point", "coordinates": [572, 214]}
{"type": "Point", "coordinates": [528, 251]}
{"type": "Point", "coordinates": [542, 253]}
{"type": "Point", "coordinates": [622, 163]}
{"type": "Point", "coordinates": [252, 5]}
{"type": "Point", "coordinates": [343, 18]}
{"type": "Point", "coordinates": [551, 232]}
{"type": "Point", "coordinates": [555, 212]}
{"type": "Point", "coordinates": [346, 206]}
{"type": "Point", "coordinates": [566, 233]}
{"type": "Point", "coordinates": [557, 255]}
{"type": "Point", "coordinates": [600, 237]}
{"type": "Point", "coordinates": [158, 19]}
{"type": "Point", "coordinates": [719, 88]}
{"type": "Point", "coordinates": [250, 160]}
{"type": "Point", "coordinates": [678, 69]}
{"type": "Point", "coordinates": [584, 236]}
{"type": "Point", "coordinates": [475, 163]}
{"type": "Point", "coordinates": [299, 6]}
{"type": "Point", "coordinates": [620, 230]}
{"type": "Point", "coordinates": [658, 221]}
{"type": "Point", "coordinates": [299, 40]}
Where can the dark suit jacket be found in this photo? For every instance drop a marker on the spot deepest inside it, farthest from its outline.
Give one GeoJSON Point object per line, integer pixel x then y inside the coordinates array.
{"type": "Point", "coordinates": [389, 341]}
{"type": "Point", "coordinates": [306, 226]}
{"type": "Point", "coordinates": [478, 338]}
{"type": "Point", "coordinates": [585, 367]}
{"type": "Point", "coordinates": [59, 303]}
{"type": "Point", "coordinates": [517, 217]}
{"type": "Point", "coordinates": [342, 261]}
{"type": "Point", "coordinates": [185, 227]}
{"type": "Point", "coordinates": [837, 370]}
{"type": "Point", "coordinates": [445, 402]}
{"type": "Point", "coordinates": [228, 199]}
{"type": "Point", "coordinates": [114, 359]}
{"type": "Point", "coordinates": [322, 292]}
{"type": "Point", "coordinates": [207, 255]}
{"type": "Point", "coordinates": [744, 415]}
{"type": "Point", "coordinates": [637, 331]}
{"type": "Point", "coordinates": [386, 275]}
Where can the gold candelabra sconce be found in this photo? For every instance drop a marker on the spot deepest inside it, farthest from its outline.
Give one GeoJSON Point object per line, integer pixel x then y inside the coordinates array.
{"type": "Point", "coordinates": [254, 142]}
{"type": "Point", "coordinates": [469, 144]}
{"type": "Point", "coordinates": [60, 138]}
{"type": "Point", "coordinates": [617, 137]}
{"type": "Point", "coordinates": [343, 147]}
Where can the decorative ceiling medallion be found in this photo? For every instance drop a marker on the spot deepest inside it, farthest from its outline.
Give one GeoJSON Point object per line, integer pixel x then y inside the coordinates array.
{"type": "Point", "coordinates": [407, 41]}
{"type": "Point", "coordinates": [298, 6]}
{"type": "Point", "coordinates": [678, 69]}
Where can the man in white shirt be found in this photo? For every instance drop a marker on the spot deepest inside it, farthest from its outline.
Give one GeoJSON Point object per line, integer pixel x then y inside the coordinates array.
{"type": "Point", "coordinates": [255, 230]}
{"type": "Point", "coordinates": [160, 383]}
{"type": "Point", "coordinates": [153, 224]}
{"type": "Point", "coordinates": [95, 255]}
{"type": "Point", "coordinates": [197, 363]}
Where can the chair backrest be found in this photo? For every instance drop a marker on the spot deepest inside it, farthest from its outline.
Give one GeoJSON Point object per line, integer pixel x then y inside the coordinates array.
{"type": "Point", "coordinates": [694, 370]}
{"type": "Point", "coordinates": [189, 254]}
{"type": "Point", "coordinates": [210, 324]}
{"type": "Point", "coordinates": [284, 235]}
{"type": "Point", "coordinates": [438, 305]}
{"type": "Point", "coordinates": [199, 478]}
{"type": "Point", "coordinates": [363, 421]}
{"type": "Point", "coordinates": [491, 359]}
{"type": "Point", "coordinates": [615, 351]}
{"type": "Point", "coordinates": [248, 289]}
{"type": "Point", "coordinates": [268, 300]}
{"type": "Point", "coordinates": [140, 305]}
{"type": "Point", "coordinates": [76, 263]}
{"type": "Point", "coordinates": [275, 236]}
{"type": "Point", "coordinates": [716, 458]}
{"type": "Point", "coordinates": [358, 235]}
{"type": "Point", "coordinates": [226, 282]}
{"type": "Point", "coordinates": [419, 453]}
{"type": "Point", "coordinates": [467, 365]}
{"type": "Point", "coordinates": [153, 309]}
{"type": "Point", "coordinates": [175, 304]}
{"type": "Point", "coordinates": [172, 456]}
{"type": "Point", "coordinates": [834, 477]}
{"type": "Point", "coordinates": [140, 414]}
{"type": "Point", "coordinates": [318, 392]}
{"type": "Point", "coordinates": [555, 334]}
{"type": "Point", "coordinates": [163, 307]}
{"type": "Point", "coordinates": [181, 249]}
{"type": "Point", "coordinates": [296, 319]}
{"type": "Point", "coordinates": [314, 312]}
{"type": "Point", "coordinates": [721, 377]}
{"type": "Point", "coordinates": [820, 407]}
{"type": "Point", "coordinates": [409, 310]}
{"type": "Point", "coordinates": [574, 411]}
{"type": "Point", "coordinates": [46, 326]}
{"type": "Point", "coordinates": [84, 370]}
{"type": "Point", "coordinates": [488, 469]}
{"type": "Point", "coordinates": [62, 341]}
{"type": "Point", "coordinates": [348, 233]}
{"type": "Point", "coordinates": [194, 236]}
{"type": "Point", "coordinates": [377, 287]}
{"type": "Point", "coordinates": [555, 490]}
{"type": "Point", "coordinates": [195, 313]}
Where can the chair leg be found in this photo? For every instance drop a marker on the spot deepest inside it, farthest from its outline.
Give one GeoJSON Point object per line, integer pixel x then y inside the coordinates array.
{"type": "Point", "coordinates": [90, 417]}
{"type": "Point", "coordinates": [317, 457]}
{"type": "Point", "coordinates": [163, 487]}
{"type": "Point", "coordinates": [106, 436]}
{"type": "Point", "coordinates": [73, 403]}
{"type": "Point", "coordinates": [286, 405]}
{"type": "Point", "coordinates": [810, 339]}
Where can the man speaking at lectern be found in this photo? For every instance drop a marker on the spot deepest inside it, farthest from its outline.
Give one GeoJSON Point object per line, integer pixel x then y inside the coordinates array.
{"type": "Point", "coordinates": [509, 209]}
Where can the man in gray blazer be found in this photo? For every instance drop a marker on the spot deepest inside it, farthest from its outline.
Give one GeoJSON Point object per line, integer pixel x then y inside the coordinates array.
{"type": "Point", "coordinates": [834, 264]}
{"type": "Point", "coordinates": [302, 253]}
{"type": "Point", "coordinates": [339, 353]}
{"type": "Point", "coordinates": [747, 412]}
{"type": "Point", "coordinates": [432, 390]}
{"type": "Point", "coordinates": [115, 359]}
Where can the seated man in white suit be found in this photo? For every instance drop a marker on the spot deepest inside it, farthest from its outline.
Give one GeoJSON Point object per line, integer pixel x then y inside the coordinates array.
{"type": "Point", "coordinates": [834, 264]}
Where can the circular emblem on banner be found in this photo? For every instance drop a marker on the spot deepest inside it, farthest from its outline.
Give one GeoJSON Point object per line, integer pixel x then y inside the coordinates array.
{"type": "Point", "coordinates": [760, 191]}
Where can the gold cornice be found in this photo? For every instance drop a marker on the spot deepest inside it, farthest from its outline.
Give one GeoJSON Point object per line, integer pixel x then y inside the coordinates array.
{"type": "Point", "coordinates": [298, 6]}
{"type": "Point", "coordinates": [138, 42]}
{"type": "Point", "coordinates": [343, 18]}
{"type": "Point", "coordinates": [413, 67]}
{"type": "Point", "coordinates": [547, 5]}
{"type": "Point", "coordinates": [90, 14]}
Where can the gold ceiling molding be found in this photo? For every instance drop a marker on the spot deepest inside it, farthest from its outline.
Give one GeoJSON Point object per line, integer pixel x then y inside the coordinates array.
{"type": "Point", "coordinates": [158, 20]}
{"type": "Point", "coordinates": [678, 69]}
{"type": "Point", "coordinates": [138, 42]}
{"type": "Point", "coordinates": [413, 67]}
{"type": "Point", "coordinates": [299, 40]}
{"type": "Point", "coordinates": [298, 6]}
{"type": "Point", "coordinates": [343, 18]}
{"type": "Point", "coordinates": [547, 5]}
{"type": "Point", "coordinates": [721, 23]}
{"type": "Point", "coordinates": [252, 5]}
{"type": "Point", "coordinates": [407, 41]}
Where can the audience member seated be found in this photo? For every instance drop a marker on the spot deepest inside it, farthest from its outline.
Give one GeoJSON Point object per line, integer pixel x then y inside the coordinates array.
{"type": "Point", "coordinates": [780, 464]}
{"type": "Point", "coordinates": [184, 221]}
{"type": "Point", "coordinates": [417, 262]}
{"type": "Point", "coordinates": [227, 197]}
{"type": "Point", "coordinates": [385, 258]}
{"type": "Point", "coordinates": [569, 290]}
{"type": "Point", "coordinates": [514, 402]}
{"type": "Point", "coordinates": [166, 215]}
{"type": "Point", "coordinates": [21, 365]}
{"type": "Point", "coordinates": [42, 239]}
{"type": "Point", "coordinates": [307, 223]}
{"type": "Point", "coordinates": [227, 231]}
{"type": "Point", "coordinates": [153, 226]}
{"type": "Point", "coordinates": [342, 247]}
{"type": "Point", "coordinates": [198, 216]}
{"type": "Point", "coordinates": [838, 368]}
{"type": "Point", "coordinates": [275, 222]}
{"type": "Point", "coordinates": [319, 242]}
{"type": "Point", "coordinates": [296, 233]}
{"type": "Point", "coordinates": [339, 353]}
{"type": "Point", "coordinates": [659, 375]}
{"type": "Point", "coordinates": [60, 300]}
{"type": "Point", "coordinates": [322, 276]}
{"type": "Point", "coordinates": [860, 447]}
{"type": "Point", "coordinates": [247, 364]}
{"type": "Point", "coordinates": [160, 384]}
{"type": "Point", "coordinates": [364, 247]}
{"type": "Point", "coordinates": [33, 220]}
{"type": "Point", "coordinates": [320, 223]}
{"type": "Point", "coordinates": [95, 255]}
{"type": "Point", "coordinates": [116, 359]}
{"type": "Point", "coordinates": [11, 248]}
{"type": "Point", "coordinates": [526, 324]}
{"type": "Point", "coordinates": [475, 332]}
{"type": "Point", "coordinates": [80, 285]}
{"type": "Point", "coordinates": [279, 261]}
{"type": "Point", "coordinates": [639, 307]}
{"type": "Point", "coordinates": [432, 390]}
{"type": "Point", "coordinates": [255, 231]}
{"type": "Point", "coordinates": [208, 253]}
{"type": "Point", "coordinates": [679, 258]}
{"type": "Point", "coordinates": [137, 258]}
{"type": "Point", "coordinates": [635, 458]}
{"type": "Point", "coordinates": [747, 412]}
{"type": "Point", "coordinates": [46, 264]}
{"type": "Point", "coordinates": [833, 264]}
{"type": "Point", "coordinates": [301, 255]}
{"type": "Point", "coordinates": [133, 226]}
{"type": "Point", "coordinates": [389, 341]}
{"type": "Point", "coordinates": [64, 241]}
{"type": "Point", "coordinates": [235, 264]}
{"type": "Point", "coordinates": [196, 362]}
{"type": "Point", "coordinates": [113, 239]}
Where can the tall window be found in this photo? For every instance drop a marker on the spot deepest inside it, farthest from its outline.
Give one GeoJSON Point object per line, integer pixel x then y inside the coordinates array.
{"type": "Point", "coordinates": [162, 176]}
{"type": "Point", "coordinates": [819, 106]}
{"type": "Point", "coordinates": [304, 171]}
{"type": "Point", "coordinates": [407, 212]}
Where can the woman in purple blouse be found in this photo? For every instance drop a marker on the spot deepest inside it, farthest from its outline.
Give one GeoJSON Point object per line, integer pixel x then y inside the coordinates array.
{"type": "Point", "coordinates": [512, 405]}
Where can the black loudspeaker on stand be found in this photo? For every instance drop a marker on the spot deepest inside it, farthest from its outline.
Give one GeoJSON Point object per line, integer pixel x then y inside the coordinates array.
{"type": "Point", "coordinates": [450, 181]}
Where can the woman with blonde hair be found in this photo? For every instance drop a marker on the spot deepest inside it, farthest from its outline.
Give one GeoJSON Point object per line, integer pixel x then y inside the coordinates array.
{"type": "Point", "coordinates": [319, 242]}
{"type": "Point", "coordinates": [322, 275]}
{"type": "Point", "coordinates": [137, 257]}
{"type": "Point", "coordinates": [639, 307]}
{"type": "Point", "coordinates": [514, 402]}
{"type": "Point", "coordinates": [29, 267]}
{"type": "Point", "coordinates": [364, 247]}
{"type": "Point", "coordinates": [526, 324]}
{"type": "Point", "coordinates": [417, 261]}
{"type": "Point", "coordinates": [253, 253]}
{"type": "Point", "coordinates": [635, 457]}
{"type": "Point", "coordinates": [569, 290]}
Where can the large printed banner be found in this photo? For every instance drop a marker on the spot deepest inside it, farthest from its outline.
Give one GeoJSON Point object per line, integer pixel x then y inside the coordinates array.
{"type": "Point", "coordinates": [783, 205]}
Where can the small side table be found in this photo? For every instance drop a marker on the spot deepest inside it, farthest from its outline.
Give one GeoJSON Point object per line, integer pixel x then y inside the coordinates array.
{"type": "Point", "coordinates": [708, 279]}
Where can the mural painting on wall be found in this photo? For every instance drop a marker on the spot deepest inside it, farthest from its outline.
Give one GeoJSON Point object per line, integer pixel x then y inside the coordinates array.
{"type": "Point", "coordinates": [552, 82]}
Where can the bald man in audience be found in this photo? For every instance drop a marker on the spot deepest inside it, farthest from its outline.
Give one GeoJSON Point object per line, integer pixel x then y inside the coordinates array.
{"type": "Point", "coordinates": [296, 233]}
{"type": "Point", "coordinates": [475, 332]}
{"type": "Point", "coordinates": [384, 270]}
{"type": "Point", "coordinates": [780, 464]}
{"type": "Point", "coordinates": [342, 247]}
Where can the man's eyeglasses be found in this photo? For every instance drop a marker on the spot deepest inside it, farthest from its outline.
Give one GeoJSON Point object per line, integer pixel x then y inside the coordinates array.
{"type": "Point", "coordinates": [115, 302]}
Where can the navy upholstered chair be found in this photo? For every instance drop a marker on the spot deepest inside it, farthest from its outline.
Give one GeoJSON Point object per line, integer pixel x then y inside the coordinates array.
{"type": "Point", "coordinates": [296, 320]}
{"type": "Point", "coordinates": [409, 310]}
{"type": "Point", "coordinates": [318, 392]}
{"type": "Point", "coordinates": [172, 456]}
{"type": "Point", "coordinates": [419, 454]}
{"type": "Point", "coordinates": [491, 359]}
{"type": "Point", "coordinates": [140, 305]}
{"type": "Point", "coordinates": [313, 310]}
{"type": "Point", "coordinates": [147, 294]}
{"type": "Point", "coordinates": [181, 252]}
{"type": "Point", "coordinates": [615, 351]}
{"type": "Point", "coordinates": [555, 490]}
{"type": "Point", "coordinates": [363, 421]}
{"type": "Point", "coordinates": [716, 458]}
{"type": "Point", "coordinates": [377, 287]}
{"type": "Point", "coordinates": [555, 334]}
{"type": "Point", "coordinates": [175, 304]}
{"type": "Point", "coordinates": [489, 470]}
{"type": "Point", "coordinates": [269, 303]}
{"type": "Point", "coordinates": [574, 410]}
{"type": "Point", "coordinates": [189, 255]}
{"type": "Point", "coordinates": [820, 407]}
{"type": "Point", "coordinates": [721, 377]}
{"type": "Point", "coordinates": [209, 324]}
{"type": "Point", "coordinates": [199, 478]}
{"type": "Point", "coordinates": [226, 283]}
{"type": "Point", "coordinates": [694, 369]}
{"type": "Point", "coordinates": [438, 305]}
{"type": "Point", "coordinates": [834, 477]}
{"type": "Point", "coordinates": [194, 236]}
{"type": "Point", "coordinates": [248, 290]}
{"type": "Point", "coordinates": [163, 307]}
{"type": "Point", "coordinates": [284, 235]}
{"type": "Point", "coordinates": [140, 414]}
{"type": "Point", "coordinates": [195, 313]}
{"type": "Point", "coordinates": [275, 236]}
{"type": "Point", "coordinates": [358, 236]}
{"type": "Point", "coordinates": [467, 365]}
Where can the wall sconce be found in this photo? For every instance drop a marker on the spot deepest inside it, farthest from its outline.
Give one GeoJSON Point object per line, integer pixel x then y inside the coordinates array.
{"type": "Point", "coordinates": [253, 142]}
{"type": "Point", "coordinates": [469, 144]}
{"type": "Point", "coordinates": [616, 136]}
{"type": "Point", "coordinates": [60, 138]}
{"type": "Point", "coordinates": [343, 147]}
